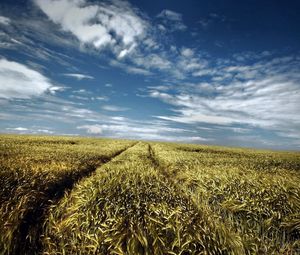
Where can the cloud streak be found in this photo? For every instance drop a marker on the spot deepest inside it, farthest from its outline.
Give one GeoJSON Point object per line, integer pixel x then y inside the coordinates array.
{"type": "Point", "coordinates": [23, 130]}
{"type": "Point", "coordinates": [4, 20]}
{"type": "Point", "coordinates": [79, 76]}
{"type": "Point", "coordinates": [20, 81]}
{"type": "Point", "coordinates": [113, 108]}
{"type": "Point", "coordinates": [265, 94]}
{"type": "Point", "coordinates": [136, 131]}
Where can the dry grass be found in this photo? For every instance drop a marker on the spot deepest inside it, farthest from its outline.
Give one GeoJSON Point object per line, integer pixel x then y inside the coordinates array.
{"type": "Point", "coordinates": [152, 198]}
{"type": "Point", "coordinates": [256, 194]}
{"type": "Point", "coordinates": [129, 207]}
{"type": "Point", "coordinates": [35, 170]}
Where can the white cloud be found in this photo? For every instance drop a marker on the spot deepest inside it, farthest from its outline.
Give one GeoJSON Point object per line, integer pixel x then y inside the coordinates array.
{"type": "Point", "coordinates": [171, 15]}
{"type": "Point", "coordinates": [19, 81]}
{"type": "Point", "coordinates": [160, 88]}
{"type": "Point", "coordinates": [153, 61]}
{"type": "Point", "coordinates": [173, 67]}
{"type": "Point", "coordinates": [133, 129]}
{"type": "Point", "coordinates": [92, 129]}
{"type": "Point", "coordinates": [268, 98]}
{"type": "Point", "coordinates": [78, 76]}
{"type": "Point", "coordinates": [169, 138]}
{"type": "Point", "coordinates": [171, 19]}
{"type": "Point", "coordinates": [18, 129]}
{"type": "Point", "coordinates": [44, 131]}
{"type": "Point", "coordinates": [118, 118]}
{"type": "Point", "coordinates": [188, 63]}
{"type": "Point", "coordinates": [47, 109]}
{"type": "Point", "coordinates": [23, 130]}
{"type": "Point", "coordinates": [162, 28]}
{"type": "Point", "coordinates": [4, 20]}
{"type": "Point", "coordinates": [263, 103]}
{"type": "Point", "coordinates": [102, 98]}
{"type": "Point", "coordinates": [55, 89]}
{"type": "Point", "coordinates": [121, 28]}
{"type": "Point", "coordinates": [192, 117]}
{"type": "Point", "coordinates": [187, 52]}
{"type": "Point", "coordinates": [80, 91]}
{"type": "Point", "coordinates": [205, 72]}
{"type": "Point", "coordinates": [114, 108]}
{"type": "Point", "coordinates": [115, 25]}
{"type": "Point", "coordinates": [137, 131]}
{"type": "Point", "coordinates": [79, 97]}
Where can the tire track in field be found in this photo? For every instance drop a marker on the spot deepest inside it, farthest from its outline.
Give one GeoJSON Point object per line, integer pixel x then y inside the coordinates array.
{"type": "Point", "coordinates": [190, 203]}
{"type": "Point", "coordinates": [169, 179]}
{"type": "Point", "coordinates": [34, 219]}
{"type": "Point", "coordinates": [139, 197]}
{"type": "Point", "coordinates": [164, 173]}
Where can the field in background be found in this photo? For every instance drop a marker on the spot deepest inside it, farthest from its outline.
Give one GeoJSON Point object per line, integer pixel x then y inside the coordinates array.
{"type": "Point", "coordinates": [61, 195]}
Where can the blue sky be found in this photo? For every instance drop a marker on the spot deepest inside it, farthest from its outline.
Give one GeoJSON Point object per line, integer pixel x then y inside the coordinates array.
{"type": "Point", "coordinates": [211, 72]}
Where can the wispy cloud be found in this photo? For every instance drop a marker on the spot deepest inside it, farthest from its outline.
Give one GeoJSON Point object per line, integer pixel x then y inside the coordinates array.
{"type": "Point", "coordinates": [17, 129]}
{"type": "Point", "coordinates": [114, 108]}
{"type": "Point", "coordinates": [171, 15]}
{"type": "Point", "coordinates": [23, 130]}
{"type": "Point", "coordinates": [81, 91]}
{"type": "Point", "coordinates": [202, 94]}
{"type": "Point", "coordinates": [99, 28]}
{"type": "Point", "coordinates": [19, 81]}
{"type": "Point", "coordinates": [138, 131]}
{"type": "Point", "coordinates": [78, 76]}
{"type": "Point", "coordinates": [4, 20]}
{"type": "Point", "coordinates": [186, 52]}
{"type": "Point", "coordinates": [265, 94]}
{"type": "Point", "coordinates": [172, 19]}
{"type": "Point", "coordinates": [23, 32]}
{"type": "Point", "coordinates": [102, 98]}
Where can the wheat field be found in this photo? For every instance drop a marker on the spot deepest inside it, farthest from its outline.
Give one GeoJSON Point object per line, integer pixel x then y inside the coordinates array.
{"type": "Point", "coordinates": [63, 195]}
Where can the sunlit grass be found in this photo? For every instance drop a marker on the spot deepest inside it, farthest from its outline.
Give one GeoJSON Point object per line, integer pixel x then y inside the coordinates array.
{"type": "Point", "coordinates": [255, 193]}
{"type": "Point", "coordinates": [35, 170]}
{"type": "Point", "coordinates": [146, 198]}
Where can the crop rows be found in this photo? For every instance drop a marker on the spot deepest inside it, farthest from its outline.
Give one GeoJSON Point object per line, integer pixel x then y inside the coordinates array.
{"type": "Point", "coordinates": [256, 194]}
{"type": "Point", "coordinates": [129, 207]}
{"type": "Point", "coordinates": [34, 173]}
{"type": "Point", "coordinates": [99, 196]}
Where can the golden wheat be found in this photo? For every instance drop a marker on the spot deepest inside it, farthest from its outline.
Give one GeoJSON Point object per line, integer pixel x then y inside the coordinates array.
{"type": "Point", "coordinates": [146, 198]}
